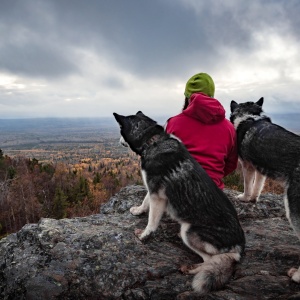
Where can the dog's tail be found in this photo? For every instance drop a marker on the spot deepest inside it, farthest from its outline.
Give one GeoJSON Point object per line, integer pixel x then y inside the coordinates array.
{"type": "Point", "coordinates": [214, 273]}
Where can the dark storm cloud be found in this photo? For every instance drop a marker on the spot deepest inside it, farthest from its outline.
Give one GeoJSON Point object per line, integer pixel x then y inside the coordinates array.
{"type": "Point", "coordinates": [30, 41]}
{"type": "Point", "coordinates": [291, 15]}
{"type": "Point", "coordinates": [145, 37]}
{"type": "Point", "coordinates": [149, 38]}
{"type": "Point", "coordinates": [152, 37]}
{"type": "Point", "coordinates": [164, 37]}
{"type": "Point", "coordinates": [35, 60]}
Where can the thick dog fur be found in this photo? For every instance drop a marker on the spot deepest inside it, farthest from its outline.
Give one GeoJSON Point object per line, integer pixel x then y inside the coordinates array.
{"type": "Point", "coordinates": [179, 186]}
{"type": "Point", "coordinates": [268, 150]}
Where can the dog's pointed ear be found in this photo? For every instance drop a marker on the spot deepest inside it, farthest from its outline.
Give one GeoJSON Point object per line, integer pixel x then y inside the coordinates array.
{"type": "Point", "coordinates": [139, 113]}
{"type": "Point", "coordinates": [144, 117]}
{"type": "Point", "coordinates": [260, 102]}
{"type": "Point", "coordinates": [120, 119]}
{"type": "Point", "coordinates": [233, 105]}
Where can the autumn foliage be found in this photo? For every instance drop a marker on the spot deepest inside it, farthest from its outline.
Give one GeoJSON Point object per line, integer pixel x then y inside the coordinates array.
{"type": "Point", "coordinates": [31, 190]}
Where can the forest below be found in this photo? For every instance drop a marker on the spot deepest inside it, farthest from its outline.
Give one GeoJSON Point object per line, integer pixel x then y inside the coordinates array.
{"type": "Point", "coordinates": [60, 168]}
{"type": "Point", "coordinates": [30, 190]}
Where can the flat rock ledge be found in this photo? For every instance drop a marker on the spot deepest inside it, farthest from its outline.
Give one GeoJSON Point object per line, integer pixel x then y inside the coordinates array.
{"type": "Point", "coordinates": [99, 257]}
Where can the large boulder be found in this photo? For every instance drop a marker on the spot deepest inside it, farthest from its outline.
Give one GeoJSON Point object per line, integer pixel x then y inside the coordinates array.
{"type": "Point", "coordinates": [99, 257]}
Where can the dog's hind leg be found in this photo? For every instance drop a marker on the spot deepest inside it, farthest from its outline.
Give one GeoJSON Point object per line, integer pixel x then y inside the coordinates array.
{"type": "Point", "coordinates": [193, 241]}
{"type": "Point", "coordinates": [157, 207]}
{"type": "Point", "coordinates": [249, 176]}
{"type": "Point", "coordinates": [194, 244]}
{"type": "Point", "coordinates": [217, 267]}
{"type": "Point", "coordinates": [292, 206]}
{"type": "Point", "coordinates": [258, 185]}
{"type": "Point", "coordinates": [144, 207]}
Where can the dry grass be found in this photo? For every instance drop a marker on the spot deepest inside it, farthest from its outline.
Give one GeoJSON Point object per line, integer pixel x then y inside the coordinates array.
{"type": "Point", "coordinates": [272, 186]}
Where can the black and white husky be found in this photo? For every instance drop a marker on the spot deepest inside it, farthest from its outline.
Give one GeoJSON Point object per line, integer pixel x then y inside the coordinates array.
{"type": "Point", "coordinates": [268, 150]}
{"type": "Point", "coordinates": [178, 185]}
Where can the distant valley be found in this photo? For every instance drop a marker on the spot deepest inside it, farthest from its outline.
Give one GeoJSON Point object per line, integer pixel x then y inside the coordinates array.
{"type": "Point", "coordinates": [72, 139]}
{"type": "Point", "coordinates": [60, 139]}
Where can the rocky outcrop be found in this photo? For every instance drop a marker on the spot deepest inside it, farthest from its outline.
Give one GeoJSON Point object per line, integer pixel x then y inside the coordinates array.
{"type": "Point", "coordinates": [99, 257]}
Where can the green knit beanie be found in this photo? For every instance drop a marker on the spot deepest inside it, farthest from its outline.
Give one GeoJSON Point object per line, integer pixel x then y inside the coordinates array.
{"type": "Point", "coordinates": [202, 83]}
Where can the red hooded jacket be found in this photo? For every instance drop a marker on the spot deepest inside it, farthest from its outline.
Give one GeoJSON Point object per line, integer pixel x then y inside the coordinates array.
{"type": "Point", "coordinates": [208, 136]}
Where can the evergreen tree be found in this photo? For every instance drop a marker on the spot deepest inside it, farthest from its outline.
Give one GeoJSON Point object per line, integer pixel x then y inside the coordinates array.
{"type": "Point", "coordinates": [97, 178]}
{"type": "Point", "coordinates": [59, 204]}
{"type": "Point", "coordinates": [80, 191]}
{"type": "Point", "coordinates": [11, 172]}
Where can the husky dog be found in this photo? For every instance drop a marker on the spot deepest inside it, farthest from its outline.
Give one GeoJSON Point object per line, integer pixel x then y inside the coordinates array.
{"type": "Point", "coordinates": [178, 185]}
{"type": "Point", "coordinates": [268, 150]}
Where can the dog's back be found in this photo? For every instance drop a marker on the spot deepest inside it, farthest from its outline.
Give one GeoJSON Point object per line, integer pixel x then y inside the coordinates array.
{"type": "Point", "coordinates": [273, 150]}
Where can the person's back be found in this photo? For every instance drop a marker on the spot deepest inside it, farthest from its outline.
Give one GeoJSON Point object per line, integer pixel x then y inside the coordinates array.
{"type": "Point", "coordinates": [204, 130]}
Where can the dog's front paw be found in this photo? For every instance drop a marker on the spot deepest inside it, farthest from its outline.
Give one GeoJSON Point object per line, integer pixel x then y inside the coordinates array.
{"type": "Point", "coordinates": [246, 198]}
{"type": "Point", "coordinates": [136, 210]}
{"type": "Point", "coordinates": [185, 269]}
{"type": "Point", "coordinates": [294, 274]}
{"type": "Point", "coordinates": [138, 232]}
{"type": "Point", "coordinates": [190, 269]}
{"type": "Point", "coordinates": [143, 235]}
{"type": "Point", "coordinates": [254, 199]}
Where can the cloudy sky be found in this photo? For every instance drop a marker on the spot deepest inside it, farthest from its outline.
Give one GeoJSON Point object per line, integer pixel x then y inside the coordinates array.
{"type": "Point", "coordinates": [76, 58]}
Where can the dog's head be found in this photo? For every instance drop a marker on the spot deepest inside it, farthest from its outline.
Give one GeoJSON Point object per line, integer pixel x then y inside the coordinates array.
{"type": "Point", "coordinates": [245, 110]}
{"type": "Point", "coordinates": [136, 130]}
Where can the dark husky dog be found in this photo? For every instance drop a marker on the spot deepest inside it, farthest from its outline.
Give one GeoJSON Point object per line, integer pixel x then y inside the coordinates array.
{"type": "Point", "coordinates": [268, 150]}
{"type": "Point", "coordinates": [178, 185]}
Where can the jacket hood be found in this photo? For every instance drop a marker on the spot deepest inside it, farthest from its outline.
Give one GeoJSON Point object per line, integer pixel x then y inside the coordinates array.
{"type": "Point", "coordinates": [206, 109]}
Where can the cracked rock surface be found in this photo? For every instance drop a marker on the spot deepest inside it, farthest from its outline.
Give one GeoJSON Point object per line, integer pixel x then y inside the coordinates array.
{"type": "Point", "coordinates": [99, 257]}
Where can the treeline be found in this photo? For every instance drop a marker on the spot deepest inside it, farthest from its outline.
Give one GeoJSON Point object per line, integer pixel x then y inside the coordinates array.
{"type": "Point", "coordinates": [30, 190]}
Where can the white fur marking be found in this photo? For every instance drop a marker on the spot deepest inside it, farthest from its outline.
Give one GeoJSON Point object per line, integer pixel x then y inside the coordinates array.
{"type": "Point", "coordinates": [238, 120]}
{"type": "Point", "coordinates": [286, 205]}
{"type": "Point", "coordinates": [157, 208]}
{"type": "Point", "coordinates": [123, 142]}
{"type": "Point", "coordinates": [258, 185]}
{"type": "Point", "coordinates": [144, 207]}
{"type": "Point", "coordinates": [183, 230]}
{"type": "Point", "coordinates": [175, 137]}
{"type": "Point", "coordinates": [296, 276]}
{"type": "Point", "coordinates": [144, 177]}
{"type": "Point", "coordinates": [210, 249]}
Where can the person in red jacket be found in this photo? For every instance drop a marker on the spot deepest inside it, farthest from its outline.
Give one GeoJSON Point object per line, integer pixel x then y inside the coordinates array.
{"type": "Point", "coordinates": [203, 129]}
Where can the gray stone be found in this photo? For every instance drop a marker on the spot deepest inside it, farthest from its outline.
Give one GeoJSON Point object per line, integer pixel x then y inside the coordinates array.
{"type": "Point", "coordinates": [99, 257]}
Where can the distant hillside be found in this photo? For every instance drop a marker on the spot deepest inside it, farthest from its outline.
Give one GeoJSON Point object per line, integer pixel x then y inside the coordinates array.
{"type": "Point", "coordinates": [52, 123]}
{"type": "Point", "coordinates": [35, 133]}
{"type": "Point", "coordinates": [288, 121]}
{"type": "Point", "coordinates": [31, 133]}
{"type": "Point", "coordinates": [65, 124]}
